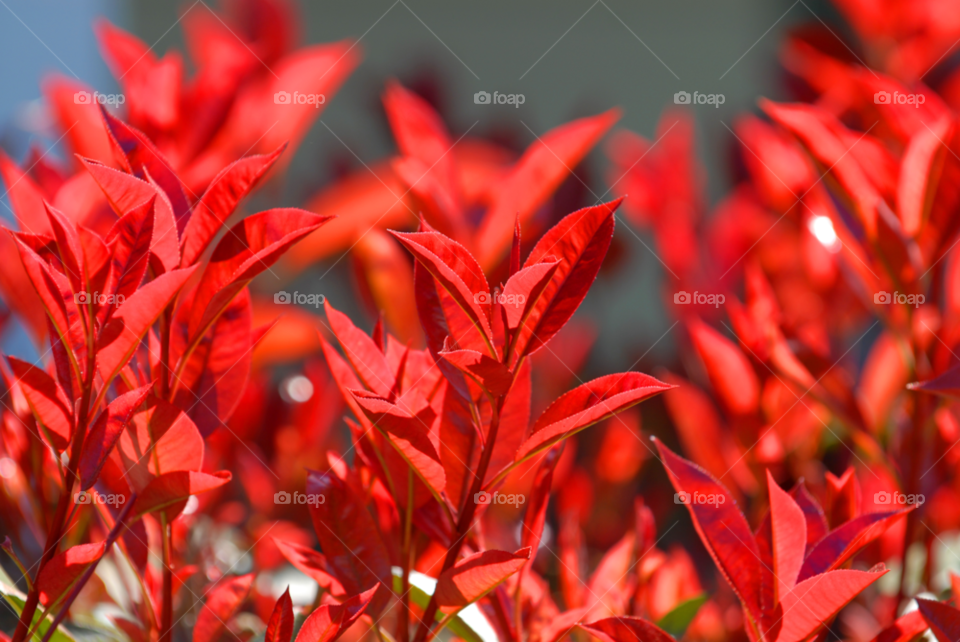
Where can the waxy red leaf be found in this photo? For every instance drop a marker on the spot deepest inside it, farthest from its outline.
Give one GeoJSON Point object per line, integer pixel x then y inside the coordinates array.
{"type": "Point", "coordinates": [329, 621]}
{"type": "Point", "coordinates": [310, 563]}
{"type": "Point", "coordinates": [627, 629]}
{"type": "Point", "coordinates": [579, 242]}
{"type": "Point", "coordinates": [722, 527]}
{"type": "Point", "coordinates": [63, 570]}
{"type": "Point", "coordinates": [221, 198]}
{"type": "Point", "coordinates": [169, 492]}
{"type": "Point", "coordinates": [106, 431]}
{"type": "Point", "coordinates": [814, 601]}
{"type": "Point", "coordinates": [367, 359]}
{"type": "Point", "coordinates": [733, 378]}
{"type": "Point", "coordinates": [222, 603]}
{"type": "Point", "coordinates": [919, 174]}
{"type": "Point", "coordinates": [122, 334]}
{"type": "Point", "coordinates": [523, 290]}
{"type": "Point", "coordinates": [489, 373]}
{"type": "Point", "coordinates": [280, 624]}
{"type": "Point", "coordinates": [944, 620]}
{"type": "Point", "coordinates": [47, 401]}
{"type": "Point", "coordinates": [586, 405]}
{"type": "Point", "coordinates": [132, 237]}
{"type": "Point", "coordinates": [788, 538]}
{"type": "Point", "coordinates": [473, 577]}
{"type": "Point", "coordinates": [846, 540]}
{"type": "Point", "coordinates": [349, 537]}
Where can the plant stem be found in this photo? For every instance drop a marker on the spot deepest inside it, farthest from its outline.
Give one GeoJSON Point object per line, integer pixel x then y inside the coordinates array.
{"type": "Point", "coordinates": [465, 521]}
{"type": "Point", "coordinates": [166, 610]}
{"type": "Point", "coordinates": [111, 538]}
{"type": "Point", "coordinates": [403, 626]}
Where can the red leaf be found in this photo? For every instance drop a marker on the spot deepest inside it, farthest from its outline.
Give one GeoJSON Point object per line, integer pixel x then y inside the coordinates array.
{"type": "Point", "coordinates": [919, 174]}
{"type": "Point", "coordinates": [580, 242]}
{"type": "Point", "coordinates": [816, 521]}
{"type": "Point", "coordinates": [459, 274]}
{"type": "Point", "coordinates": [944, 620]}
{"type": "Point", "coordinates": [473, 577]}
{"type": "Point", "coordinates": [121, 335]}
{"type": "Point", "coordinates": [247, 249]}
{"type": "Point", "coordinates": [223, 195]}
{"type": "Point", "coordinates": [280, 625]}
{"type": "Point", "coordinates": [161, 439]}
{"type": "Point", "coordinates": [945, 385]}
{"type": "Point", "coordinates": [47, 401]}
{"type": "Point", "coordinates": [814, 601]}
{"type": "Point", "coordinates": [211, 383]}
{"type": "Point", "coordinates": [536, 515]}
{"type": "Point", "coordinates": [409, 432]}
{"type": "Point", "coordinates": [523, 290]}
{"type": "Point", "coordinates": [730, 372]}
{"type": "Point", "coordinates": [68, 247]}
{"type": "Point", "coordinates": [514, 424]}
{"type": "Point", "coordinates": [132, 236]}
{"type": "Point", "coordinates": [25, 196]}
{"type": "Point", "coordinates": [223, 602]}
{"type": "Point", "coordinates": [906, 628]}
{"type": "Point", "coordinates": [846, 540]}
{"type": "Point", "coordinates": [169, 492]}
{"type": "Point", "coordinates": [489, 373]}
{"type": "Point", "coordinates": [310, 563]}
{"type": "Point", "coordinates": [105, 433]}
{"type": "Point", "coordinates": [349, 537]}
{"type": "Point", "coordinates": [627, 629]}
{"type": "Point", "coordinates": [788, 538]}
{"type": "Point", "coordinates": [367, 359]}
{"type": "Point", "coordinates": [139, 156]}
{"type": "Point", "coordinates": [586, 405]}
{"type": "Point", "coordinates": [329, 621]}
{"type": "Point", "coordinates": [721, 526]}
{"type": "Point", "coordinates": [63, 570]}
{"type": "Point", "coordinates": [535, 176]}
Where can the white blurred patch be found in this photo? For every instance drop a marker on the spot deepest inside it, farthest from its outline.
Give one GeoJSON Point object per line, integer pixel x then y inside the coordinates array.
{"type": "Point", "coordinates": [297, 389]}
{"type": "Point", "coordinates": [822, 228]}
{"type": "Point", "coordinates": [8, 468]}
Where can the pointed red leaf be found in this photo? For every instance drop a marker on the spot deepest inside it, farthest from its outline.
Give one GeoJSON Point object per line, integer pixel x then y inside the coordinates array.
{"type": "Point", "coordinates": [580, 242]}
{"type": "Point", "coordinates": [329, 621]}
{"type": "Point", "coordinates": [310, 563]}
{"type": "Point", "coordinates": [816, 521]}
{"type": "Point", "coordinates": [121, 335]}
{"type": "Point", "coordinates": [367, 359]}
{"type": "Point", "coordinates": [919, 174]}
{"type": "Point", "coordinates": [169, 492]}
{"type": "Point", "coordinates": [721, 526]}
{"type": "Point", "coordinates": [816, 600]}
{"type": "Point", "coordinates": [63, 570]}
{"type": "Point", "coordinates": [788, 538]}
{"type": "Point", "coordinates": [945, 385]}
{"type": "Point", "coordinates": [280, 624]}
{"type": "Point", "coordinates": [730, 372]}
{"type": "Point", "coordinates": [69, 248]}
{"type": "Point", "coordinates": [222, 603]}
{"type": "Point", "coordinates": [944, 620]}
{"type": "Point", "coordinates": [846, 540]}
{"type": "Point", "coordinates": [132, 236]}
{"type": "Point", "coordinates": [627, 629]}
{"type": "Point", "coordinates": [586, 405]}
{"type": "Point", "coordinates": [473, 577]}
{"type": "Point", "coordinates": [906, 628]}
{"type": "Point", "coordinates": [225, 192]}
{"type": "Point", "coordinates": [536, 515]}
{"type": "Point", "coordinates": [25, 196]}
{"type": "Point", "coordinates": [537, 174]}
{"type": "Point", "coordinates": [106, 431]}
{"type": "Point", "coordinates": [47, 401]}
{"type": "Point", "coordinates": [349, 537]}
{"type": "Point", "coordinates": [247, 249]}
{"type": "Point", "coordinates": [458, 273]}
{"type": "Point", "coordinates": [523, 290]}
{"type": "Point", "coordinates": [489, 373]}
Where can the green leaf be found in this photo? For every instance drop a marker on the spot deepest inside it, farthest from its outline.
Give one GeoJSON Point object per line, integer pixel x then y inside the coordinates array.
{"type": "Point", "coordinates": [58, 636]}
{"type": "Point", "coordinates": [679, 618]}
{"type": "Point", "coordinates": [421, 588]}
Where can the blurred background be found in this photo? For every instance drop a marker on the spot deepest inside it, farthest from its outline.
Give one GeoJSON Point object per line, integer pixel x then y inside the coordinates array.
{"type": "Point", "coordinates": [568, 59]}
